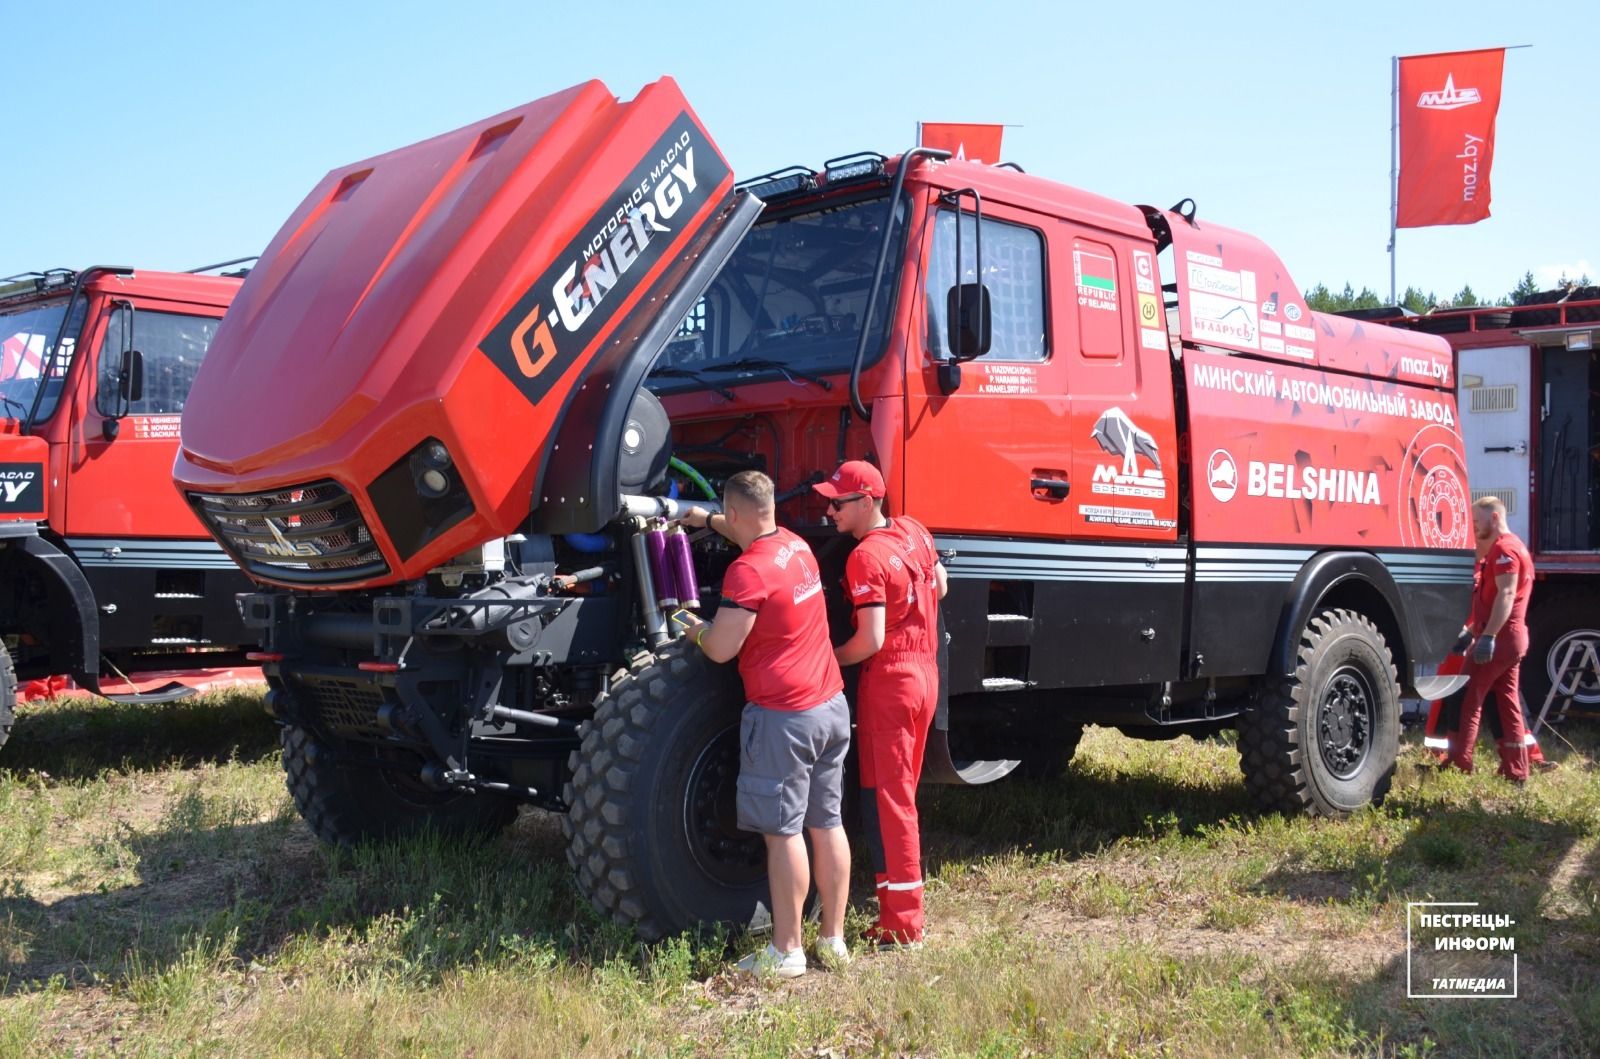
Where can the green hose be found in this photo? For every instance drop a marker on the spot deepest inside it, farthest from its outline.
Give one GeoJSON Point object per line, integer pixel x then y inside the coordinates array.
{"type": "Point", "coordinates": [694, 476]}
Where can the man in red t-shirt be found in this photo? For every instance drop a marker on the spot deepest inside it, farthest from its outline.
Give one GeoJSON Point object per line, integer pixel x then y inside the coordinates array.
{"type": "Point", "coordinates": [894, 580]}
{"type": "Point", "coordinates": [795, 731]}
{"type": "Point", "coordinates": [1499, 631]}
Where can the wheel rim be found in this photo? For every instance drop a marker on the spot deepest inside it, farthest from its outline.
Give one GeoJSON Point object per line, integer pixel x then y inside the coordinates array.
{"type": "Point", "coordinates": [1588, 690]}
{"type": "Point", "coordinates": [1345, 721]}
{"type": "Point", "coordinates": [710, 816]}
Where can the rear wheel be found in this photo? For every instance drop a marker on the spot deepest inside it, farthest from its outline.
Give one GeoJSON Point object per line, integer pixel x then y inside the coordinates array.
{"type": "Point", "coordinates": [651, 827]}
{"type": "Point", "coordinates": [1324, 738]}
{"type": "Point", "coordinates": [347, 803]}
{"type": "Point", "coordinates": [8, 694]}
{"type": "Point", "coordinates": [1555, 626]}
{"type": "Point", "coordinates": [1049, 757]}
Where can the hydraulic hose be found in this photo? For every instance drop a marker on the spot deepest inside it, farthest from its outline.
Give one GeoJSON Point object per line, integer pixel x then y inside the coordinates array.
{"type": "Point", "coordinates": [694, 476]}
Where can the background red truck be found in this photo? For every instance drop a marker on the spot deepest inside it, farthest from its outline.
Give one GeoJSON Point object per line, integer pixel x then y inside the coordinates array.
{"type": "Point", "coordinates": [103, 568]}
{"type": "Point", "coordinates": [1530, 414]}
{"type": "Point", "coordinates": [1172, 500]}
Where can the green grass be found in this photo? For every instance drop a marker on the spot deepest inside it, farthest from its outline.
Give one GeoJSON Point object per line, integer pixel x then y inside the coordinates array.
{"type": "Point", "coordinates": [158, 896]}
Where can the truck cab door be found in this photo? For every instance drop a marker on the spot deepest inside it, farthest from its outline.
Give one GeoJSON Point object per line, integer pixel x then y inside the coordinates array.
{"type": "Point", "coordinates": [1050, 475]}
{"type": "Point", "coordinates": [993, 456]}
{"type": "Point", "coordinates": [120, 479]}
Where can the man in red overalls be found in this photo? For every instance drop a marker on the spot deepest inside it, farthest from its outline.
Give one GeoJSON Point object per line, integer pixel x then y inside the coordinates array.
{"type": "Point", "coordinates": [895, 581]}
{"type": "Point", "coordinates": [1499, 626]}
{"type": "Point", "coordinates": [1444, 715]}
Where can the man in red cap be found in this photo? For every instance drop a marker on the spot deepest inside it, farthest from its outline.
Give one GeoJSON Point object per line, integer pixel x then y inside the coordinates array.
{"type": "Point", "coordinates": [895, 581]}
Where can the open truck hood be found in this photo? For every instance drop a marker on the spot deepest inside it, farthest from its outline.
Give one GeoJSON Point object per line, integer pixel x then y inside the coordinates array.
{"type": "Point", "coordinates": [499, 290]}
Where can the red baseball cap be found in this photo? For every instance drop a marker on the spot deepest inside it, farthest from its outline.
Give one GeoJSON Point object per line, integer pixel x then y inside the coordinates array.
{"type": "Point", "coordinates": [852, 477]}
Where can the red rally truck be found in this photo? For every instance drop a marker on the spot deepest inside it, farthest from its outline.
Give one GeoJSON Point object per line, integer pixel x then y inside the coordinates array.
{"type": "Point", "coordinates": [103, 568]}
{"type": "Point", "coordinates": [1171, 499]}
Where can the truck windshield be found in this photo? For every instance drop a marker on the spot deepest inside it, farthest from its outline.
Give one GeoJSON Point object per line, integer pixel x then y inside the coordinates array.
{"type": "Point", "coordinates": [793, 294]}
{"type": "Point", "coordinates": [26, 332]}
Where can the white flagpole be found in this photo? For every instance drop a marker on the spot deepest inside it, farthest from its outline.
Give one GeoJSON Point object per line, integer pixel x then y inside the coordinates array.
{"type": "Point", "coordinates": [1394, 169]}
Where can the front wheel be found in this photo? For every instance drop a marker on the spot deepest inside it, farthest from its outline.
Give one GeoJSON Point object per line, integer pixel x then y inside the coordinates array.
{"type": "Point", "coordinates": [8, 694]}
{"type": "Point", "coordinates": [1324, 738]}
{"type": "Point", "coordinates": [348, 802]}
{"type": "Point", "coordinates": [651, 825]}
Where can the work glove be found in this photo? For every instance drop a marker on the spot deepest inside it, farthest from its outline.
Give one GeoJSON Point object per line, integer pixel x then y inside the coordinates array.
{"type": "Point", "coordinates": [1484, 650]}
{"type": "Point", "coordinates": [1463, 643]}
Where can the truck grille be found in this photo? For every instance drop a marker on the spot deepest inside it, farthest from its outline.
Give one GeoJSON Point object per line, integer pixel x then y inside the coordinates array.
{"type": "Point", "coordinates": [310, 534]}
{"type": "Point", "coordinates": [343, 707]}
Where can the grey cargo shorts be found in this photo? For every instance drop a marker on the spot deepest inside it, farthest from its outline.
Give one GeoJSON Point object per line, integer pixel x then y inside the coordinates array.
{"type": "Point", "coordinates": [791, 767]}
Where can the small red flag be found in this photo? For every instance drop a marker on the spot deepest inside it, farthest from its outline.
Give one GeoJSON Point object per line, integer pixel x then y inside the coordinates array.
{"type": "Point", "coordinates": [975, 143]}
{"type": "Point", "coordinates": [1447, 105]}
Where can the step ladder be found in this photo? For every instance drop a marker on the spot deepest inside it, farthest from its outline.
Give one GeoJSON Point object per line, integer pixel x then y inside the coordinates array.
{"type": "Point", "coordinates": [1580, 663]}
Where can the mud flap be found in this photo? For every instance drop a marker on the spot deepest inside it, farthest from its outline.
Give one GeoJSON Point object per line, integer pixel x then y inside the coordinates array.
{"type": "Point", "coordinates": [938, 766]}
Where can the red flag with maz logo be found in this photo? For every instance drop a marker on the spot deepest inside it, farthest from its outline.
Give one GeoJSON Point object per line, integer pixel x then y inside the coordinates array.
{"type": "Point", "coordinates": [975, 143]}
{"type": "Point", "coordinates": [1447, 104]}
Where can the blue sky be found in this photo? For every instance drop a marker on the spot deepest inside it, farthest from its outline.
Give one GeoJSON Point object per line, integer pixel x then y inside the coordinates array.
{"type": "Point", "coordinates": [171, 135]}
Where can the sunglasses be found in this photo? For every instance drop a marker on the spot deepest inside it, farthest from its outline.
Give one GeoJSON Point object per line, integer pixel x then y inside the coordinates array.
{"type": "Point", "coordinates": [840, 501]}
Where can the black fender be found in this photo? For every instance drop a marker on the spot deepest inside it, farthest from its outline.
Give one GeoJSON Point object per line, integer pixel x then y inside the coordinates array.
{"type": "Point", "coordinates": [581, 474]}
{"type": "Point", "coordinates": [1357, 580]}
{"type": "Point", "coordinates": [76, 622]}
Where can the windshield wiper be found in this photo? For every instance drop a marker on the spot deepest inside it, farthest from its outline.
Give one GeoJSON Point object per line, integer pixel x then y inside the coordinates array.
{"type": "Point", "coordinates": [695, 376]}
{"type": "Point", "coordinates": [12, 402]}
{"type": "Point", "coordinates": [760, 363]}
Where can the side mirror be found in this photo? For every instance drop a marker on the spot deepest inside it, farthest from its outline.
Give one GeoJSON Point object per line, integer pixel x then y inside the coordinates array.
{"type": "Point", "coordinates": [121, 384]}
{"type": "Point", "coordinates": [967, 313]}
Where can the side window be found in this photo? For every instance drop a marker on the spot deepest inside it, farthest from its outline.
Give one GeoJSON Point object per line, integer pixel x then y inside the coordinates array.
{"type": "Point", "coordinates": [1013, 271]}
{"type": "Point", "coordinates": [173, 345]}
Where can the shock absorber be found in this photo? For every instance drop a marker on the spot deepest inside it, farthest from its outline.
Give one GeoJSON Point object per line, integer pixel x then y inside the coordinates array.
{"type": "Point", "coordinates": [655, 623]}
{"type": "Point", "coordinates": [685, 580]}
{"type": "Point", "coordinates": [667, 594]}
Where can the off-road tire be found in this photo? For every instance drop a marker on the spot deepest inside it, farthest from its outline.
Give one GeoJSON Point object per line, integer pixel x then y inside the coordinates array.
{"type": "Point", "coordinates": [1284, 759]}
{"type": "Point", "coordinates": [644, 855]}
{"type": "Point", "coordinates": [1050, 757]}
{"type": "Point", "coordinates": [1553, 623]}
{"type": "Point", "coordinates": [8, 695]}
{"type": "Point", "coordinates": [347, 805]}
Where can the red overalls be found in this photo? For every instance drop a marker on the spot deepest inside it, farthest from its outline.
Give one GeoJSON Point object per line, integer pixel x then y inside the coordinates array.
{"type": "Point", "coordinates": [1507, 555]}
{"type": "Point", "coordinates": [893, 567]}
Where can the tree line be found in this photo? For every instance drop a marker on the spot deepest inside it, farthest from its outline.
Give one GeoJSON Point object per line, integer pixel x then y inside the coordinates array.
{"type": "Point", "coordinates": [1416, 300]}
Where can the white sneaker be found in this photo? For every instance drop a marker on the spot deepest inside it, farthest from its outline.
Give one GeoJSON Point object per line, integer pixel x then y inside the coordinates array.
{"type": "Point", "coordinates": [772, 963]}
{"type": "Point", "coordinates": [833, 953]}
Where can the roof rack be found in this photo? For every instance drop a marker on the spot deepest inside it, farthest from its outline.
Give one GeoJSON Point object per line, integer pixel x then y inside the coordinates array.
{"type": "Point", "coordinates": [32, 284]}
{"type": "Point", "coordinates": [224, 264]}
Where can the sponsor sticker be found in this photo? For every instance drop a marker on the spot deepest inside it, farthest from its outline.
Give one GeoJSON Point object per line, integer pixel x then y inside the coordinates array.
{"type": "Point", "coordinates": [1292, 311]}
{"type": "Point", "coordinates": [1153, 339]}
{"type": "Point", "coordinates": [21, 487]}
{"type": "Point", "coordinates": [1222, 475]}
{"type": "Point", "coordinates": [1271, 343]}
{"type": "Point", "coordinates": [1120, 436]}
{"type": "Point", "coordinates": [1271, 327]}
{"type": "Point", "coordinates": [1303, 334]}
{"type": "Point", "coordinates": [1226, 320]}
{"type": "Point", "coordinates": [1138, 518]}
{"type": "Point", "coordinates": [1149, 310]}
{"type": "Point", "coordinates": [1144, 271]}
{"type": "Point", "coordinates": [583, 286]}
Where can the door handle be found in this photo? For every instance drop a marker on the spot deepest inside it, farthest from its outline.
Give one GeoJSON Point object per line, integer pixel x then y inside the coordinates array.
{"type": "Point", "coordinates": [1050, 488]}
